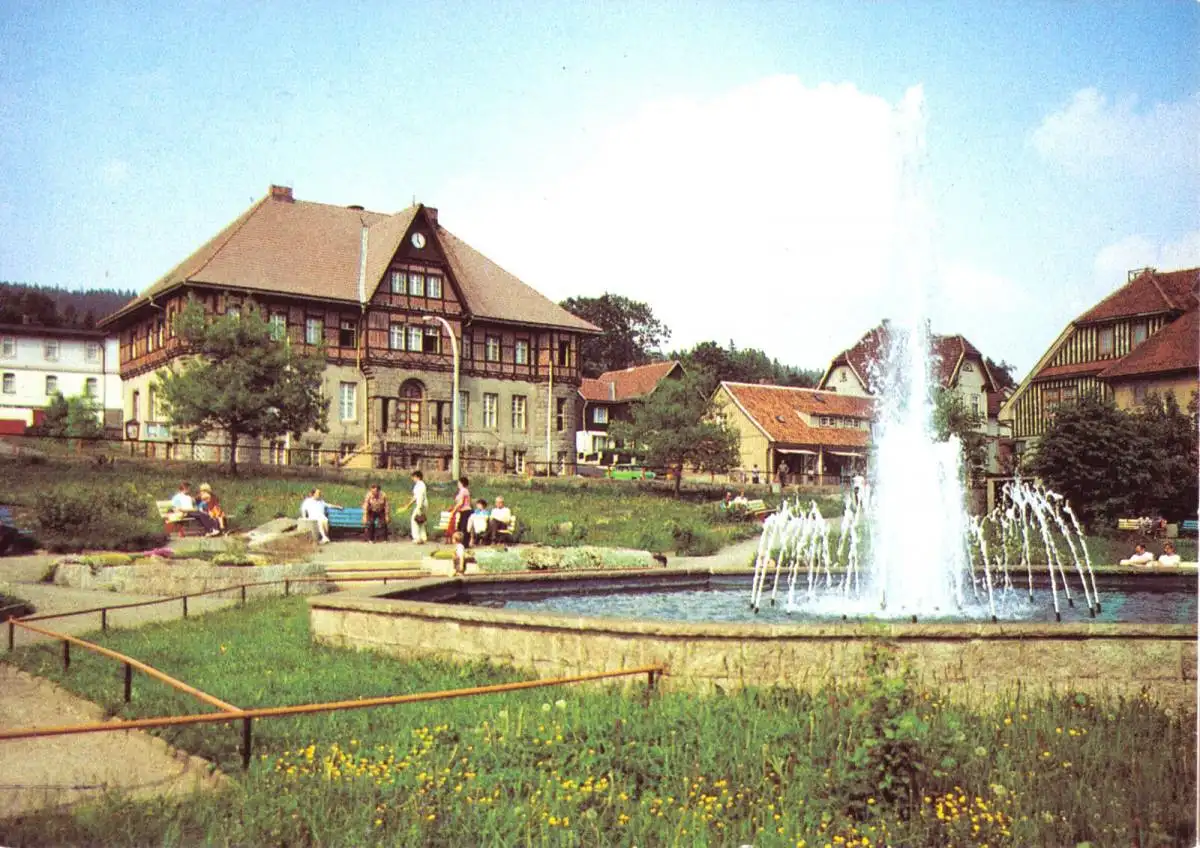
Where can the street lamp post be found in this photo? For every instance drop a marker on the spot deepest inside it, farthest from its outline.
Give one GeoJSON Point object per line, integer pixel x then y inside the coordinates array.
{"type": "Point", "coordinates": [454, 469]}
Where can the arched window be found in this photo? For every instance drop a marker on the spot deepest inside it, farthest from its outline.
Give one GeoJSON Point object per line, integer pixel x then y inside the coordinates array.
{"type": "Point", "coordinates": [408, 416]}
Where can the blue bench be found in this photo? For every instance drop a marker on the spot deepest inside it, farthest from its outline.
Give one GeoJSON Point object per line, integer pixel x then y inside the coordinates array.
{"type": "Point", "coordinates": [1189, 526]}
{"type": "Point", "coordinates": [345, 518]}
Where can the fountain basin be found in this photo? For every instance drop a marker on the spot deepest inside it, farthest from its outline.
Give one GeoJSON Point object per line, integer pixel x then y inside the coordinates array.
{"type": "Point", "coordinates": [969, 662]}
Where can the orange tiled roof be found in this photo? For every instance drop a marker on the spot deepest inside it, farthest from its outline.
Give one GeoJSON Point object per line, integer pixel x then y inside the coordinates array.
{"type": "Point", "coordinates": [1176, 347]}
{"type": "Point", "coordinates": [628, 383]}
{"type": "Point", "coordinates": [1147, 293]}
{"type": "Point", "coordinates": [1076, 369]}
{"type": "Point", "coordinates": [948, 352]}
{"type": "Point", "coordinates": [776, 410]}
{"type": "Point", "coordinates": [314, 250]}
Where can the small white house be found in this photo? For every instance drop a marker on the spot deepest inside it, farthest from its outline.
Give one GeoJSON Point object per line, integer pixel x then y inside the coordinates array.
{"type": "Point", "coordinates": [36, 362]}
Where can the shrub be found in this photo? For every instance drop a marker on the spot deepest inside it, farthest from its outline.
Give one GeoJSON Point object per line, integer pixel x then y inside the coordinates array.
{"type": "Point", "coordinates": [115, 517]}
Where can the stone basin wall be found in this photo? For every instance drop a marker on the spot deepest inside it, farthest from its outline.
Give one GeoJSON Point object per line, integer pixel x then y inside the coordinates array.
{"type": "Point", "coordinates": [970, 663]}
{"type": "Point", "coordinates": [169, 578]}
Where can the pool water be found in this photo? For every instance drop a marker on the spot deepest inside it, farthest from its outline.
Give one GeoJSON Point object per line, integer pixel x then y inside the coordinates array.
{"type": "Point", "coordinates": [726, 605]}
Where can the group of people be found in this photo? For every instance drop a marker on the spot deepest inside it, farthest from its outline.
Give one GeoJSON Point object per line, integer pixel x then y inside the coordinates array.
{"type": "Point", "coordinates": [1141, 556]}
{"type": "Point", "coordinates": [204, 509]}
{"type": "Point", "coordinates": [470, 524]}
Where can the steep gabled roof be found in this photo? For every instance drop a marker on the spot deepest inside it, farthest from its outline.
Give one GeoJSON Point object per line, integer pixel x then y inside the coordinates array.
{"type": "Point", "coordinates": [306, 249]}
{"type": "Point", "coordinates": [776, 411]}
{"type": "Point", "coordinates": [628, 383]}
{"type": "Point", "coordinates": [1149, 292]}
{"type": "Point", "coordinates": [1176, 347]}
{"type": "Point", "coordinates": [949, 353]}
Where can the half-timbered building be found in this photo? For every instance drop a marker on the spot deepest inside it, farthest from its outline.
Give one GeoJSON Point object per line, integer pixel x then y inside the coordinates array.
{"type": "Point", "coordinates": [374, 289]}
{"type": "Point", "coordinates": [1138, 341]}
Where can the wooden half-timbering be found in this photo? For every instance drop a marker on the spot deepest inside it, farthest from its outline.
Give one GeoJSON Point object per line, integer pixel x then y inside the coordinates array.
{"type": "Point", "coordinates": [1035, 409]}
{"type": "Point", "coordinates": [1107, 341]}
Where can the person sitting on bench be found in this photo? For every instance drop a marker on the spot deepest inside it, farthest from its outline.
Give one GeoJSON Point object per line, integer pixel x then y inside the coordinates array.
{"type": "Point", "coordinates": [185, 507]}
{"type": "Point", "coordinates": [315, 509]}
{"type": "Point", "coordinates": [477, 525]}
{"type": "Point", "coordinates": [499, 521]}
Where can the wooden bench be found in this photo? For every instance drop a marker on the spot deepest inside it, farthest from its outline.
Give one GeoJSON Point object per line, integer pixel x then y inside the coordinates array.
{"type": "Point", "coordinates": [510, 532]}
{"type": "Point", "coordinates": [180, 525]}
{"type": "Point", "coordinates": [1129, 523]}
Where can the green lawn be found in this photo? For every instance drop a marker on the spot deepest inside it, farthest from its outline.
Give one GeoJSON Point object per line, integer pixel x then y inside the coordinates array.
{"type": "Point", "coordinates": [567, 511]}
{"type": "Point", "coordinates": [880, 761]}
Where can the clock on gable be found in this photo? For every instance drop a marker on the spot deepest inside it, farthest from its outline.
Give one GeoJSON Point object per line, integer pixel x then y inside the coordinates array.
{"type": "Point", "coordinates": [418, 240]}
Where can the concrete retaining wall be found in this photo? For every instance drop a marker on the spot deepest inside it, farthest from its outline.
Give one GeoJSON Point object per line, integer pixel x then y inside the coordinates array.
{"type": "Point", "coordinates": [970, 663]}
{"type": "Point", "coordinates": [181, 578]}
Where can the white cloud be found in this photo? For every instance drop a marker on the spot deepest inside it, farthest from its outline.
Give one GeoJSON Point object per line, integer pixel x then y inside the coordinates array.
{"type": "Point", "coordinates": [1115, 261]}
{"type": "Point", "coordinates": [764, 215]}
{"type": "Point", "coordinates": [1092, 133]}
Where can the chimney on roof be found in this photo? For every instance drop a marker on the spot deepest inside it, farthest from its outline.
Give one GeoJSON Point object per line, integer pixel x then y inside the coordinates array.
{"type": "Point", "coordinates": [283, 193]}
{"type": "Point", "coordinates": [1137, 272]}
{"type": "Point", "coordinates": [431, 211]}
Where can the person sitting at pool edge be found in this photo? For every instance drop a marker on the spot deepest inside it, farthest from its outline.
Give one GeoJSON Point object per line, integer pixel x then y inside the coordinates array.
{"type": "Point", "coordinates": [1141, 556]}
{"type": "Point", "coordinates": [1169, 557]}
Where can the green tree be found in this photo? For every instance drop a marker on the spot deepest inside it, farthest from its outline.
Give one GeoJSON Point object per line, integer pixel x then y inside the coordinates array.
{"type": "Point", "coordinates": [632, 335]}
{"type": "Point", "coordinates": [677, 426]}
{"type": "Point", "coordinates": [1002, 373]}
{"type": "Point", "coordinates": [710, 364]}
{"type": "Point", "coordinates": [237, 378]}
{"type": "Point", "coordinates": [952, 418]}
{"type": "Point", "coordinates": [1169, 435]}
{"type": "Point", "coordinates": [1094, 455]}
{"type": "Point", "coordinates": [76, 417]}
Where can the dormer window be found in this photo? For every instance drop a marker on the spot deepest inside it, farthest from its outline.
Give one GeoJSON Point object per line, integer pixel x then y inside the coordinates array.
{"type": "Point", "coordinates": [967, 366]}
{"type": "Point", "coordinates": [1104, 341]}
{"type": "Point", "coordinates": [1138, 333]}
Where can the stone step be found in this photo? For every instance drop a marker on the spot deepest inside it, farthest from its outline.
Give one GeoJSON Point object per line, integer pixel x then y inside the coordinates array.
{"type": "Point", "coordinates": [408, 565]}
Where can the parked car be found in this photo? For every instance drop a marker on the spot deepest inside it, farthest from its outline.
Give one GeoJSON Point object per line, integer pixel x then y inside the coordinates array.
{"type": "Point", "coordinates": [630, 472]}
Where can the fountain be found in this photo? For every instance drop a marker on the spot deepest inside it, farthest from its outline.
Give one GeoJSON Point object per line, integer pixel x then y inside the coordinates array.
{"type": "Point", "coordinates": [905, 564]}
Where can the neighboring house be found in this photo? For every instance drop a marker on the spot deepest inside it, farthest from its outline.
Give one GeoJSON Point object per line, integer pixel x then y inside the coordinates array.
{"type": "Point", "coordinates": [959, 367]}
{"type": "Point", "coordinates": [371, 287]}
{"type": "Point", "coordinates": [1138, 341]}
{"type": "Point", "coordinates": [607, 399]}
{"type": "Point", "coordinates": [36, 362]}
{"type": "Point", "coordinates": [822, 437]}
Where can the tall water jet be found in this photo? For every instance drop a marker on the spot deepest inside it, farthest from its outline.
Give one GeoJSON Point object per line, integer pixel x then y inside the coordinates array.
{"type": "Point", "coordinates": [918, 503]}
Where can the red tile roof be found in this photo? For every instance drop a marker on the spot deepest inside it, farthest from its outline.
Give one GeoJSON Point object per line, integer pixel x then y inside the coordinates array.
{"type": "Point", "coordinates": [1176, 347]}
{"type": "Point", "coordinates": [776, 410]}
{"type": "Point", "coordinates": [315, 250]}
{"type": "Point", "coordinates": [948, 351]}
{"type": "Point", "coordinates": [1077, 369]}
{"type": "Point", "coordinates": [628, 383]}
{"type": "Point", "coordinates": [1148, 292]}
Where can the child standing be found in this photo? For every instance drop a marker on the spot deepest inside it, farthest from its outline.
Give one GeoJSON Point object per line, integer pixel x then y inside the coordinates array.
{"type": "Point", "coordinates": [460, 554]}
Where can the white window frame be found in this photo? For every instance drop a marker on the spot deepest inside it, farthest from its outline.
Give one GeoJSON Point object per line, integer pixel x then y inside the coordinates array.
{"type": "Point", "coordinates": [9, 383]}
{"type": "Point", "coordinates": [311, 324]}
{"type": "Point", "coordinates": [51, 350]}
{"type": "Point", "coordinates": [1139, 328]}
{"type": "Point", "coordinates": [396, 334]}
{"type": "Point", "coordinates": [521, 352]}
{"type": "Point", "coordinates": [600, 414]}
{"type": "Point", "coordinates": [433, 283]}
{"type": "Point", "coordinates": [416, 284]}
{"type": "Point", "coordinates": [491, 406]}
{"type": "Point", "coordinates": [491, 344]}
{"type": "Point", "coordinates": [91, 351]}
{"type": "Point", "coordinates": [518, 462]}
{"type": "Point", "coordinates": [8, 347]}
{"type": "Point", "coordinates": [1103, 334]}
{"type": "Point", "coordinates": [278, 324]}
{"type": "Point", "coordinates": [464, 407]}
{"type": "Point", "coordinates": [91, 387]}
{"type": "Point", "coordinates": [51, 384]}
{"type": "Point", "coordinates": [519, 417]}
{"type": "Point", "coordinates": [415, 338]}
{"type": "Point", "coordinates": [399, 282]}
{"type": "Point", "coordinates": [348, 401]}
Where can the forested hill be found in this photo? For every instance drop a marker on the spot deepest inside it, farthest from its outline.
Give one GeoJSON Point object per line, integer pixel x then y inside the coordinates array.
{"type": "Point", "coordinates": [46, 306]}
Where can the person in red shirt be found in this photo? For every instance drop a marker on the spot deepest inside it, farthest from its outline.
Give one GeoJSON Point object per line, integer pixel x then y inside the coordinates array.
{"type": "Point", "coordinates": [460, 511]}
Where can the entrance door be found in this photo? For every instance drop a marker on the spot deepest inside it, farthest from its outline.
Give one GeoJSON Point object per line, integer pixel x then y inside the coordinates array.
{"type": "Point", "coordinates": [408, 413]}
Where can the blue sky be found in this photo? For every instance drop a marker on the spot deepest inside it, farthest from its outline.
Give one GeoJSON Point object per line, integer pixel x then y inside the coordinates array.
{"type": "Point", "coordinates": [731, 164]}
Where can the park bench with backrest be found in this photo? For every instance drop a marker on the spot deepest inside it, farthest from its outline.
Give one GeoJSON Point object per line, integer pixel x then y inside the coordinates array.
{"type": "Point", "coordinates": [345, 518]}
{"type": "Point", "coordinates": [174, 523]}
{"type": "Point", "coordinates": [509, 534]}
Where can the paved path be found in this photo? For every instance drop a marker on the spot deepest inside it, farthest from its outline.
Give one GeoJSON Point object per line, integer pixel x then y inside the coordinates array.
{"type": "Point", "coordinates": [56, 771]}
